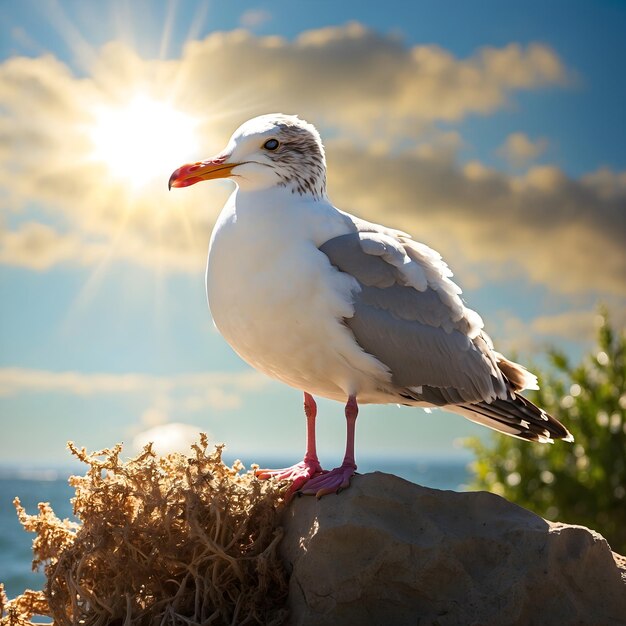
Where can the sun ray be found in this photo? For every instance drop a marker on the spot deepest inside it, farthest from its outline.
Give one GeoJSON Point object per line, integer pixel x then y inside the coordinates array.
{"type": "Point", "coordinates": [168, 25]}
{"type": "Point", "coordinates": [86, 294]}
{"type": "Point", "coordinates": [84, 53]}
{"type": "Point", "coordinates": [123, 16]}
{"type": "Point", "coordinates": [135, 134]}
{"type": "Point", "coordinates": [187, 229]}
{"type": "Point", "coordinates": [197, 24]}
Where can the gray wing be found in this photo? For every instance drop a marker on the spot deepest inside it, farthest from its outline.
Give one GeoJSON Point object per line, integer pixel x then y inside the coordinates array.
{"type": "Point", "coordinates": [409, 316]}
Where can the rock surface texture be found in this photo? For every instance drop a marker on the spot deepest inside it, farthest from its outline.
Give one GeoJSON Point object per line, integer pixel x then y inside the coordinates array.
{"type": "Point", "coordinates": [389, 552]}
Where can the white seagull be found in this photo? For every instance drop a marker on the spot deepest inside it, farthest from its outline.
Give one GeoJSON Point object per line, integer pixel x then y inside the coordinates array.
{"type": "Point", "coordinates": [343, 308]}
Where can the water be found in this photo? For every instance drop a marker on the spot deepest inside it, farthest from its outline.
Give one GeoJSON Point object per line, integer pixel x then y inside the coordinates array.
{"type": "Point", "coordinates": [51, 486]}
{"type": "Point", "coordinates": [15, 543]}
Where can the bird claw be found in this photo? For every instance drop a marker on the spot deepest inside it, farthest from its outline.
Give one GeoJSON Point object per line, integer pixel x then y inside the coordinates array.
{"type": "Point", "coordinates": [333, 481]}
{"type": "Point", "coordinates": [298, 474]}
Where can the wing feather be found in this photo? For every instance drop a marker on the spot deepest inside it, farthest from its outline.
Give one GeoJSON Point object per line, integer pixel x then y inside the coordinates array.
{"type": "Point", "coordinates": [409, 315]}
{"type": "Point", "coordinates": [406, 315]}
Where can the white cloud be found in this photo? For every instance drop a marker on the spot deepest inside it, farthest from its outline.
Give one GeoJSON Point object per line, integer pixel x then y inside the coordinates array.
{"type": "Point", "coordinates": [39, 247]}
{"type": "Point", "coordinates": [364, 82]}
{"type": "Point", "coordinates": [153, 417]}
{"type": "Point", "coordinates": [369, 90]}
{"type": "Point", "coordinates": [519, 149]}
{"type": "Point", "coordinates": [557, 231]}
{"type": "Point", "coordinates": [608, 184]}
{"type": "Point", "coordinates": [167, 438]}
{"type": "Point", "coordinates": [215, 390]}
{"type": "Point", "coordinates": [211, 397]}
{"type": "Point", "coordinates": [575, 325]}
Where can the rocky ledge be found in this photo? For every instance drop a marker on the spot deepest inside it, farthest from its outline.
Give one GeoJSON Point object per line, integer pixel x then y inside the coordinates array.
{"type": "Point", "coordinates": [389, 552]}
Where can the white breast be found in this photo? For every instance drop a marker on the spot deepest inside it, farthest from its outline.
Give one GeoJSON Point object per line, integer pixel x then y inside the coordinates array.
{"type": "Point", "coordinates": [277, 300]}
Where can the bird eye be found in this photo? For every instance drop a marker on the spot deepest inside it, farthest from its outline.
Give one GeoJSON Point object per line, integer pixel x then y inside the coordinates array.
{"type": "Point", "coordinates": [271, 144]}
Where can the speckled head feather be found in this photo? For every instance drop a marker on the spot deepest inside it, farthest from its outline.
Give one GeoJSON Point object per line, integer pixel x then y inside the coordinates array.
{"type": "Point", "coordinates": [299, 159]}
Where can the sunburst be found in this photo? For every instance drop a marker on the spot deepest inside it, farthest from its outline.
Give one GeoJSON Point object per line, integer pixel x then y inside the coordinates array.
{"type": "Point", "coordinates": [142, 140]}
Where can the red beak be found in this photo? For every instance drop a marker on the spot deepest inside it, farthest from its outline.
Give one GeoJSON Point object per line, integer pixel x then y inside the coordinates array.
{"type": "Point", "coordinates": [193, 173]}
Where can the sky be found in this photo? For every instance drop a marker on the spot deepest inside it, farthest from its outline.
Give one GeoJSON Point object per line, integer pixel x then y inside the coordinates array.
{"type": "Point", "coordinates": [493, 132]}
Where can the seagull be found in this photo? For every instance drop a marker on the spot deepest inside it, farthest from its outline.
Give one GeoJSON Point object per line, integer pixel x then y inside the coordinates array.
{"type": "Point", "coordinates": [342, 308]}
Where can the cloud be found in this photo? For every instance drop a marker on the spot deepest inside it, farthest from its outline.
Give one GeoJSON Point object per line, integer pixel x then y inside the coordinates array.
{"type": "Point", "coordinates": [47, 117]}
{"type": "Point", "coordinates": [558, 231]}
{"type": "Point", "coordinates": [519, 149]}
{"type": "Point", "coordinates": [576, 325]}
{"type": "Point", "coordinates": [365, 82]}
{"type": "Point", "coordinates": [252, 18]}
{"type": "Point", "coordinates": [608, 184]}
{"type": "Point", "coordinates": [39, 247]}
{"type": "Point", "coordinates": [154, 416]}
{"type": "Point", "coordinates": [374, 94]}
{"type": "Point", "coordinates": [191, 392]}
{"type": "Point", "coordinates": [167, 438]}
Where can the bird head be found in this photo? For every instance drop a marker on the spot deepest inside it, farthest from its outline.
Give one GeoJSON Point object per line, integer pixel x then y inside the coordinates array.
{"type": "Point", "coordinates": [266, 151]}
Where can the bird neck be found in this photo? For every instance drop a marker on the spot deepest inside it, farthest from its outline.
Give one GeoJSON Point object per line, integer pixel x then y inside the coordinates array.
{"type": "Point", "coordinates": [294, 188]}
{"type": "Point", "coordinates": [306, 180]}
{"type": "Point", "coordinates": [313, 187]}
{"type": "Point", "coordinates": [277, 208]}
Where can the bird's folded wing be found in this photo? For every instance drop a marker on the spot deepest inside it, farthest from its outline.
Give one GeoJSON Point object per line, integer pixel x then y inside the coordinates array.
{"type": "Point", "coordinates": [408, 314]}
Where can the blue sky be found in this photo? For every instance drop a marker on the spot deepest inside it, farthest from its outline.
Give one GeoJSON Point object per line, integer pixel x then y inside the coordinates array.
{"type": "Point", "coordinates": [493, 132]}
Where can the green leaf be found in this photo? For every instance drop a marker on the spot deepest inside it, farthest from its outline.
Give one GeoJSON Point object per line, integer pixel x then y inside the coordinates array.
{"type": "Point", "coordinates": [581, 483]}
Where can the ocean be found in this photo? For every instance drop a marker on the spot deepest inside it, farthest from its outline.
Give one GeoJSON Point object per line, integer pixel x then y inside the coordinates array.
{"type": "Point", "coordinates": [51, 486]}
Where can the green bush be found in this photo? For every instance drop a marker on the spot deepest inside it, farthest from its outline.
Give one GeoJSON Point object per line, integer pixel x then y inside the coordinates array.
{"type": "Point", "coordinates": [580, 483]}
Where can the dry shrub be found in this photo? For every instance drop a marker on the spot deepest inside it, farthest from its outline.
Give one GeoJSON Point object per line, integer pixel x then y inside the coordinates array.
{"type": "Point", "coordinates": [18, 612]}
{"type": "Point", "coordinates": [162, 540]}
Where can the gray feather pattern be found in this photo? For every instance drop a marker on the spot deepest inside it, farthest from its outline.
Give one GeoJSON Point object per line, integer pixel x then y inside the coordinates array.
{"type": "Point", "coordinates": [410, 305]}
{"type": "Point", "coordinates": [413, 332]}
{"type": "Point", "coordinates": [346, 254]}
{"type": "Point", "coordinates": [431, 343]}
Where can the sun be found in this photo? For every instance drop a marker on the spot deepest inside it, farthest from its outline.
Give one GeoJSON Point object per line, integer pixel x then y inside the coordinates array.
{"type": "Point", "coordinates": [143, 140]}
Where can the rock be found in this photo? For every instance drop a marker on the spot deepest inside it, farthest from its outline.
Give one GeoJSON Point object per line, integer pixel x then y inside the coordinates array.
{"type": "Point", "coordinates": [389, 552]}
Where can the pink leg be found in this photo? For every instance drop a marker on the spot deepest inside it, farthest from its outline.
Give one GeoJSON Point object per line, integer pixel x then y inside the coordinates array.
{"type": "Point", "coordinates": [310, 466]}
{"type": "Point", "coordinates": [310, 410]}
{"type": "Point", "coordinates": [339, 478]}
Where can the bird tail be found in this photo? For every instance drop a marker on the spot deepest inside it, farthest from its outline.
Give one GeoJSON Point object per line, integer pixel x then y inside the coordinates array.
{"type": "Point", "coordinates": [516, 416]}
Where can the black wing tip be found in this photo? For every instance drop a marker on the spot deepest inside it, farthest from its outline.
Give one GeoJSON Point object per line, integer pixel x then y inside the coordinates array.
{"type": "Point", "coordinates": [532, 423]}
